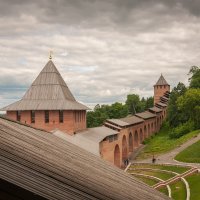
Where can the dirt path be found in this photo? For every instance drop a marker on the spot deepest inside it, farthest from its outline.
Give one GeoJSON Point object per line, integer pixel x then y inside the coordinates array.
{"type": "Point", "coordinates": [169, 157]}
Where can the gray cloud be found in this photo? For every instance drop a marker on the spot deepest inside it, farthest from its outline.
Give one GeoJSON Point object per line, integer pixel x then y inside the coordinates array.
{"type": "Point", "coordinates": [103, 49]}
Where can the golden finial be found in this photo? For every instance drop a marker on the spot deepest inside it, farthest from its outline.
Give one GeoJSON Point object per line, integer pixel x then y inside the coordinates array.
{"type": "Point", "coordinates": [50, 55]}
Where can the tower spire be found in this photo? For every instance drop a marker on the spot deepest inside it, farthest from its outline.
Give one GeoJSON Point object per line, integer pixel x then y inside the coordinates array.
{"type": "Point", "coordinates": [50, 55]}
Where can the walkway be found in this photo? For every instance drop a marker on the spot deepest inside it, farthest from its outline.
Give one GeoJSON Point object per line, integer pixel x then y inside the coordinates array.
{"type": "Point", "coordinates": [169, 157]}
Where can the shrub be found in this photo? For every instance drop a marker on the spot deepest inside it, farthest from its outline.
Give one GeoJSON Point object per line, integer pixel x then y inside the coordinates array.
{"type": "Point", "coordinates": [182, 130]}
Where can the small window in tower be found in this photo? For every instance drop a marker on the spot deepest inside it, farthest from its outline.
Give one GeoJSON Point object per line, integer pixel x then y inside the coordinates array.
{"type": "Point", "coordinates": [18, 115]}
{"type": "Point", "coordinates": [32, 116]}
{"type": "Point", "coordinates": [46, 116]}
{"type": "Point", "coordinates": [61, 116]}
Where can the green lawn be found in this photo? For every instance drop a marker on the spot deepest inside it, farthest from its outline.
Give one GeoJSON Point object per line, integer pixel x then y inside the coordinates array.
{"type": "Point", "coordinates": [178, 191]}
{"type": "Point", "coordinates": [146, 180]}
{"type": "Point", "coordinates": [161, 143]}
{"type": "Point", "coordinates": [163, 190]}
{"type": "Point", "coordinates": [173, 168]}
{"type": "Point", "coordinates": [161, 175]}
{"type": "Point", "coordinates": [194, 183]}
{"type": "Point", "coordinates": [191, 154]}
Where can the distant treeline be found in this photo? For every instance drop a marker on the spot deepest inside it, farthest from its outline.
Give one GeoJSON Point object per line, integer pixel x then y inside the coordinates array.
{"type": "Point", "coordinates": [118, 110]}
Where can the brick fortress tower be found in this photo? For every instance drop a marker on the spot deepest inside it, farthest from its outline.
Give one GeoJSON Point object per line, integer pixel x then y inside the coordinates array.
{"type": "Point", "coordinates": [161, 88]}
{"type": "Point", "coordinates": [49, 104]}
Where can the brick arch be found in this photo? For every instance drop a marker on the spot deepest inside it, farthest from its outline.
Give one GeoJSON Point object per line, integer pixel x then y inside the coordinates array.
{"type": "Point", "coordinates": [149, 130]}
{"type": "Point", "coordinates": [117, 156]}
{"type": "Point", "coordinates": [136, 139]}
{"type": "Point", "coordinates": [158, 124]}
{"type": "Point", "coordinates": [124, 148]}
{"type": "Point", "coordinates": [145, 131]}
{"type": "Point", "coordinates": [152, 127]}
{"type": "Point", "coordinates": [141, 135]}
{"type": "Point", "coordinates": [130, 141]}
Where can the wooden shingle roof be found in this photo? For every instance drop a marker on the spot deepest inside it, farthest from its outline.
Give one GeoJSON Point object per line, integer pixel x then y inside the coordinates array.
{"type": "Point", "coordinates": [145, 115]}
{"type": "Point", "coordinates": [155, 109]}
{"type": "Point", "coordinates": [161, 81]}
{"type": "Point", "coordinates": [48, 92]}
{"type": "Point", "coordinates": [56, 169]}
{"type": "Point", "coordinates": [126, 121]}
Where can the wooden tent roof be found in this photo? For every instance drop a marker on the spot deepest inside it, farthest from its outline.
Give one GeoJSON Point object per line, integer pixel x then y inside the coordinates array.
{"type": "Point", "coordinates": [126, 121]}
{"type": "Point", "coordinates": [56, 169]}
{"type": "Point", "coordinates": [48, 92]}
{"type": "Point", "coordinates": [155, 109]}
{"type": "Point", "coordinates": [161, 81]}
{"type": "Point", "coordinates": [145, 115]}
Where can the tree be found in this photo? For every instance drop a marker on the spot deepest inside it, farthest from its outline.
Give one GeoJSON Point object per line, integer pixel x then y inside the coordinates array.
{"type": "Point", "coordinates": [149, 103]}
{"type": "Point", "coordinates": [195, 77]}
{"type": "Point", "coordinates": [189, 104]}
{"type": "Point", "coordinates": [133, 103]}
{"type": "Point", "coordinates": [175, 116]}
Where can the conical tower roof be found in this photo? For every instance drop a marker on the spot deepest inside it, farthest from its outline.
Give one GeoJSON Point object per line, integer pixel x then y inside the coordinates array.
{"type": "Point", "coordinates": [49, 85]}
{"type": "Point", "coordinates": [161, 81]}
{"type": "Point", "coordinates": [48, 92]}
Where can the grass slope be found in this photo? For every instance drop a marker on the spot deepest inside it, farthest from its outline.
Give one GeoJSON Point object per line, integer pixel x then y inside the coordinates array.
{"type": "Point", "coordinates": [173, 168]}
{"type": "Point", "coordinates": [164, 190]}
{"type": "Point", "coordinates": [194, 183]}
{"type": "Point", "coordinates": [161, 143]}
{"type": "Point", "coordinates": [146, 180]}
{"type": "Point", "coordinates": [178, 191]}
{"type": "Point", "coordinates": [191, 154]}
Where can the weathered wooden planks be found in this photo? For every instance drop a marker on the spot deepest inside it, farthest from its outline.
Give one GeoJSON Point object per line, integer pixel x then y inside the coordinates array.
{"type": "Point", "coordinates": [55, 169]}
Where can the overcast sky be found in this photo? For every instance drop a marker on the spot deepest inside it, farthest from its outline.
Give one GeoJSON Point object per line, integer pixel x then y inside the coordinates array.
{"type": "Point", "coordinates": [104, 49]}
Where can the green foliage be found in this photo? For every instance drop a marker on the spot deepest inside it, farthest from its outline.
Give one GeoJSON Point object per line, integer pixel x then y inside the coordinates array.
{"type": "Point", "coordinates": [117, 110]}
{"type": "Point", "coordinates": [101, 113]}
{"type": "Point", "coordinates": [195, 77]}
{"type": "Point", "coordinates": [182, 129]}
{"type": "Point", "coordinates": [175, 116]}
{"type": "Point", "coordinates": [189, 104]}
{"type": "Point", "coordinates": [136, 105]}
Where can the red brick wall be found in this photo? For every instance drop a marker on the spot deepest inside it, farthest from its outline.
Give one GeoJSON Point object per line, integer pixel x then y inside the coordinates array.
{"type": "Point", "coordinates": [69, 125]}
{"type": "Point", "coordinates": [107, 148]}
{"type": "Point", "coordinates": [159, 91]}
{"type": "Point", "coordinates": [11, 115]}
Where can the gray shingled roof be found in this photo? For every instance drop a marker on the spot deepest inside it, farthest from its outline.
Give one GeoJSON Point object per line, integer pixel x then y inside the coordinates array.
{"type": "Point", "coordinates": [161, 81]}
{"type": "Point", "coordinates": [56, 169]}
{"type": "Point", "coordinates": [132, 120]}
{"type": "Point", "coordinates": [155, 109]}
{"type": "Point", "coordinates": [117, 122]}
{"type": "Point", "coordinates": [145, 115]}
{"type": "Point", "coordinates": [88, 139]}
{"type": "Point", "coordinates": [48, 92]}
{"type": "Point", "coordinates": [126, 121]}
{"type": "Point", "coordinates": [161, 104]}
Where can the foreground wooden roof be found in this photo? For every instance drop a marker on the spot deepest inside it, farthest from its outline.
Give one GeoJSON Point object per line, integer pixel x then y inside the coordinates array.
{"type": "Point", "coordinates": [48, 92]}
{"type": "Point", "coordinates": [55, 169]}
